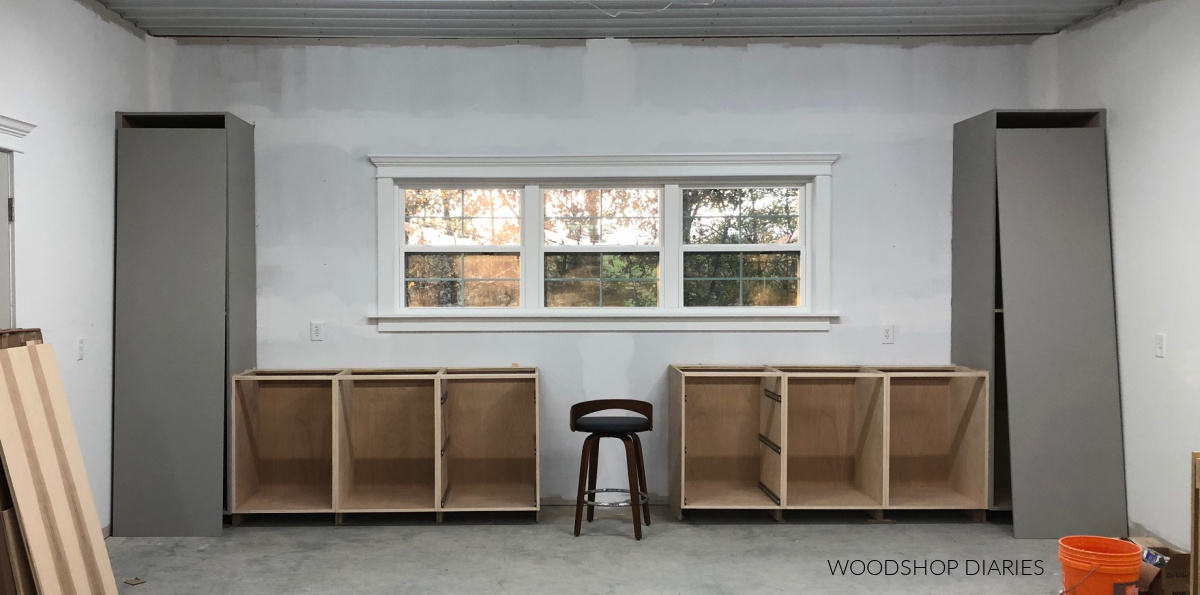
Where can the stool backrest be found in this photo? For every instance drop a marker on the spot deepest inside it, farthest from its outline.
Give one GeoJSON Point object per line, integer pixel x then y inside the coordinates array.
{"type": "Point", "coordinates": [642, 408]}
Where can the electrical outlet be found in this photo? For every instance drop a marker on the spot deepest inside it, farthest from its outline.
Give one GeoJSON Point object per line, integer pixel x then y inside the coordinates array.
{"type": "Point", "coordinates": [889, 334]}
{"type": "Point", "coordinates": [316, 331]}
{"type": "Point", "coordinates": [1160, 345]}
{"type": "Point", "coordinates": [80, 356]}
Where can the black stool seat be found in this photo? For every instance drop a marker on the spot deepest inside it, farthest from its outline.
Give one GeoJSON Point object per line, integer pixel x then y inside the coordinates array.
{"type": "Point", "coordinates": [612, 424]}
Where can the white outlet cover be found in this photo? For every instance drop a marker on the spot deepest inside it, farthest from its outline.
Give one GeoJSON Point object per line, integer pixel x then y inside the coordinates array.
{"type": "Point", "coordinates": [316, 331]}
{"type": "Point", "coordinates": [887, 335]}
{"type": "Point", "coordinates": [1160, 345]}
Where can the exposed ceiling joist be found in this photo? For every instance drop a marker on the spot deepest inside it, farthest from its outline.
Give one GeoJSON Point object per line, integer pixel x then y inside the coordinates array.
{"type": "Point", "coordinates": [549, 19]}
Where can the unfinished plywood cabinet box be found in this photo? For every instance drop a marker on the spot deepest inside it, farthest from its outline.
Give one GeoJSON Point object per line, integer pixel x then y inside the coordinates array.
{"type": "Point", "coordinates": [385, 440]}
{"type": "Point", "coordinates": [282, 445]}
{"type": "Point", "coordinates": [836, 441]}
{"type": "Point", "coordinates": [727, 438]}
{"type": "Point", "coordinates": [937, 438]}
{"type": "Point", "coordinates": [782, 437]}
{"type": "Point", "coordinates": [489, 436]}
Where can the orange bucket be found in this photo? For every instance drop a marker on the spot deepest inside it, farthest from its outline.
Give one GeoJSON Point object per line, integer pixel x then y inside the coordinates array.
{"type": "Point", "coordinates": [1099, 565]}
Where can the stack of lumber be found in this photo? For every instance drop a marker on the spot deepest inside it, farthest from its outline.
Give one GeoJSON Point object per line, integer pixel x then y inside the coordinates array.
{"type": "Point", "coordinates": [52, 536]}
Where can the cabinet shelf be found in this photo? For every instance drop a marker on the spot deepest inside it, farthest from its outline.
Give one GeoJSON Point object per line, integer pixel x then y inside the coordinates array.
{"type": "Point", "coordinates": [486, 496]}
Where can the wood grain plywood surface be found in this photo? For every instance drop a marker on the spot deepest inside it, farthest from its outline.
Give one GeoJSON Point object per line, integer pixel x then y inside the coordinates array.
{"type": "Point", "coordinates": [42, 459]}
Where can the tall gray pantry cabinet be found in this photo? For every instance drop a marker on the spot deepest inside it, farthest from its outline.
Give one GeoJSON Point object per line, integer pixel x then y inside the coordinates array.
{"type": "Point", "coordinates": [184, 315]}
{"type": "Point", "coordinates": [1033, 303]}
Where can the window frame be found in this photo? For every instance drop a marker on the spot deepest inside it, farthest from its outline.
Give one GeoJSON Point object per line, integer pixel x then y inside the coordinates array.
{"type": "Point", "coordinates": [806, 188]}
{"type": "Point", "coordinates": [811, 172]}
{"type": "Point", "coordinates": [544, 248]}
{"type": "Point", "coordinates": [404, 248]}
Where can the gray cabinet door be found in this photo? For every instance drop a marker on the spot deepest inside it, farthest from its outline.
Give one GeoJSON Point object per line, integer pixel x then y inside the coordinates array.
{"type": "Point", "coordinates": [1068, 461]}
{"type": "Point", "coordinates": [169, 346]}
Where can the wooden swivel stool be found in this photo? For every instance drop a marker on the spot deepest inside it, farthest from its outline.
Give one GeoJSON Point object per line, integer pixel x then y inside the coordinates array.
{"type": "Point", "coordinates": [625, 429]}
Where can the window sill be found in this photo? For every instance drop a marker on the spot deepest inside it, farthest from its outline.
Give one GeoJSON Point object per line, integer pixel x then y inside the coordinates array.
{"type": "Point", "coordinates": [602, 320]}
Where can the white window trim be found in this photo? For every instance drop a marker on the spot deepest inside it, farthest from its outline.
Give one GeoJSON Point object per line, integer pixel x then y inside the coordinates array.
{"type": "Point", "coordinates": [813, 170]}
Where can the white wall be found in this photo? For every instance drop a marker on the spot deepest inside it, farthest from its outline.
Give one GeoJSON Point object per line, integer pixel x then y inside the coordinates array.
{"type": "Point", "coordinates": [67, 70]}
{"type": "Point", "coordinates": [1144, 66]}
{"type": "Point", "coordinates": [321, 109]}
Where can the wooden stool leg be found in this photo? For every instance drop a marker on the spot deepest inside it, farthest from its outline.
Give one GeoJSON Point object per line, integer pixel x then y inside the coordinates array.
{"type": "Point", "coordinates": [583, 469]}
{"type": "Point", "coordinates": [631, 464]}
{"type": "Point", "coordinates": [594, 457]}
{"type": "Point", "coordinates": [641, 460]}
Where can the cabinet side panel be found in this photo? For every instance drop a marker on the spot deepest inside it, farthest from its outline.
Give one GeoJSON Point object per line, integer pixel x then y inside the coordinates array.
{"type": "Point", "coordinates": [974, 290]}
{"type": "Point", "coordinates": [675, 431]}
{"type": "Point", "coordinates": [169, 377]}
{"type": "Point", "coordinates": [241, 323]}
{"type": "Point", "coordinates": [973, 242]}
{"type": "Point", "coordinates": [1064, 401]}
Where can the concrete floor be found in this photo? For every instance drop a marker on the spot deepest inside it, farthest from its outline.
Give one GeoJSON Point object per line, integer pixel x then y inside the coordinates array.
{"type": "Point", "coordinates": [711, 553]}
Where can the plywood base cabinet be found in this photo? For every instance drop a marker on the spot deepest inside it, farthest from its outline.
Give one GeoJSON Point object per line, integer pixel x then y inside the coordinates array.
{"type": "Point", "coordinates": [365, 441]}
{"type": "Point", "coordinates": [828, 438]}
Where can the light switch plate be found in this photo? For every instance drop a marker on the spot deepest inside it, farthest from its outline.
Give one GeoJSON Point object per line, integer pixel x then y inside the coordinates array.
{"type": "Point", "coordinates": [1160, 345]}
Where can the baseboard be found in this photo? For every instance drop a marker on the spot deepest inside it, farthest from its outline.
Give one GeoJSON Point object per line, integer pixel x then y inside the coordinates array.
{"type": "Point", "coordinates": [106, 531]}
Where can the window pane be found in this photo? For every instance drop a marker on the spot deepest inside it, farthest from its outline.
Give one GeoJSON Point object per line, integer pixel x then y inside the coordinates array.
{"type": "Point", "coordinates": [631, 266]}
{"type": "Point", "coordinates": [614, 279]}
{"type": "Point", "coordinates": [573, 294]}
{"type": "Point", "coordinates": [741, 279]}
{"type": "Point", "coordinates": [493, 294]}
{"type": "Point", "coordinates": [771, 292]}
{"type": "Point", "coordinates": [630, 231]}
{"type": "Point", "coordinates": [710, 292]}
{"type": "Point", "coordinates": [614, 217]}
{"type": "Point", "coordinates": [433, 232]}
{"type": "Point", "coordinates": [480, 231]}
{"type": "Point", "coordinates": [741, 215]}
{"type": "Point", "coordinates": [433, 203]}
{"type": "Point", "coordinates": [767, 264]}
{"type": "Point", "coordinates": [429, 294]}
{"type": "Point", "coordinates": [712, 264]}
{"type": "Point", "coordinates": [462, 279]}
{"type": "Point", "coordinates": [768, 230]}
{"type": "Point", "coordinates": [433, 266]}
{"type": "Point", "coordinates": [571, 203]}
{"type": "Point", "coordinates": [572, 232]}
{"type": "Point", "coordinates": [492, 266]}
{"type": "Point", "coordinates": [470, 217]}
{"type": "Point", "coordinates": [711, 230]}
{"type": "Point", "coordinates": [630, 294]}
{"type": "Point", "coordinates": [572, 266]}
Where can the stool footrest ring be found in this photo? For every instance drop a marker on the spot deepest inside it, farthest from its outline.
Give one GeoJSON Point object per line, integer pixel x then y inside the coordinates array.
{"type": "Point", "coordinates": [642, 497]}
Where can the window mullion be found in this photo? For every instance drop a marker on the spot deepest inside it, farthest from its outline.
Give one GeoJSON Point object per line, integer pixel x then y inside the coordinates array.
{"type": "Point", "coordinates": [532, 259]}
{"type": "Point", "coordinates": [671, 241]}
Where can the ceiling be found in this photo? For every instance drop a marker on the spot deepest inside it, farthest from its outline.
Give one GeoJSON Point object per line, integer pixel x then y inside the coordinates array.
{"type": "Point", "coordinates": [567, 19]}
